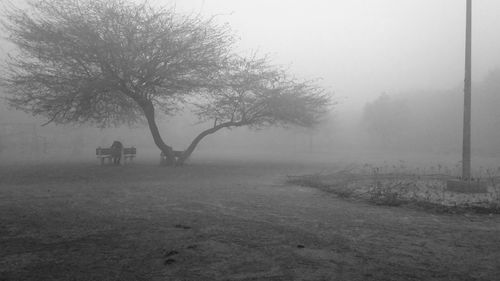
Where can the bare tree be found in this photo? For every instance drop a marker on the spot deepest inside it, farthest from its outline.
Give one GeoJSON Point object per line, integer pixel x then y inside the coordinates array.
{"type": "Point", "coordinates": [114, 62]}
{"type": "Point", "coordinates": [256, 95]}
{"type": "Point", "coordinates": [109, 62]}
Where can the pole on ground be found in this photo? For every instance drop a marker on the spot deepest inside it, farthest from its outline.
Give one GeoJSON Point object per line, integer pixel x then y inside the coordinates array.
{"type": "Point", "coordinates": [466, 152]}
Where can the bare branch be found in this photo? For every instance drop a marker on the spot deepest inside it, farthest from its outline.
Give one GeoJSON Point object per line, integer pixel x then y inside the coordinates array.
{"type": "Point", "coordinates": [108, 52]}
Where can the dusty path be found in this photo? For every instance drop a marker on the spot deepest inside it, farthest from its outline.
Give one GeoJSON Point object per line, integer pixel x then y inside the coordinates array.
{"type": "Point", "coordinates": [223, 221]}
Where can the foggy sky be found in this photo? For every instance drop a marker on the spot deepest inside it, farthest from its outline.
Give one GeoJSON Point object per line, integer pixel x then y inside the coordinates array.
{"type": "Point", "coordinates": [365, 47]}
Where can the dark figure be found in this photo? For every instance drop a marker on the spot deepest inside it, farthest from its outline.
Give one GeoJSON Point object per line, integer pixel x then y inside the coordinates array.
{"type": "Point", "coordinates": [117, 148]}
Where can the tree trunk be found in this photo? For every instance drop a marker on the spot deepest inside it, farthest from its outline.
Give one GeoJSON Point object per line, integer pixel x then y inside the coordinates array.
{"type": "Point", "coordinates": [167, 151]}
{"type": "Point", "coordinates": [187, 153]}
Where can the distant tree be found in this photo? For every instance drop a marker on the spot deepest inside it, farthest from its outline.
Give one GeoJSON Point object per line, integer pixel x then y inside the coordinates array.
{"type": "Point", "coordinates": [109, 62]}
{"type": "Point", "coordinates": [256, 95]}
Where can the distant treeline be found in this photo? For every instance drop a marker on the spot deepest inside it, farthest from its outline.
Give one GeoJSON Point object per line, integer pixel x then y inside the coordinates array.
{"type": "Point", "coordinates": [431, 122]}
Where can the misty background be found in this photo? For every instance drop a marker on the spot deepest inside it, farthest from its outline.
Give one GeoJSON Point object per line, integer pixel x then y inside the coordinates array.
{"type": "Point", "coordinates": [396, 68]}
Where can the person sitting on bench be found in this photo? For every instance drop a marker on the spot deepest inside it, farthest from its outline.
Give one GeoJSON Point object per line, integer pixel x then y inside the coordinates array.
{"type": "Point", "coordinates": [116, 153]}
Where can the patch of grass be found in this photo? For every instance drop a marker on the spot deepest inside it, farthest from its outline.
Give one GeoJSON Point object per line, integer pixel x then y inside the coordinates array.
{"type": "Point", "coordinates": [397, 193]}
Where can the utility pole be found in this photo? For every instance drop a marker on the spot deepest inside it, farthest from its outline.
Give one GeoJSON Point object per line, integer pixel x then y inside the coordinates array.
{"type": "Point", "coordinates": [466, 150]}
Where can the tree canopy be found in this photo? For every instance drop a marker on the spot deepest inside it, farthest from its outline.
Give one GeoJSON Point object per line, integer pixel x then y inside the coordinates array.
{"type": "Point", "coordinates": [99, 61]}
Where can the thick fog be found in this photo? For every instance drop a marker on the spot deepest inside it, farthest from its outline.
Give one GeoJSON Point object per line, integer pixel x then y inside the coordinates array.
{"type": "Point", "coordinates": [396, 68]}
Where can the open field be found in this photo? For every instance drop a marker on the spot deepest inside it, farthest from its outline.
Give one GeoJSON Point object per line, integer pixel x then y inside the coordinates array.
{"type": "Point", "coordinates": [223, 220]}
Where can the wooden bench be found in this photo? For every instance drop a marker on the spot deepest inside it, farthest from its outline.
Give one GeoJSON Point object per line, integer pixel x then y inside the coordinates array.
{"type": "Point", "coordinates": [107, 153]}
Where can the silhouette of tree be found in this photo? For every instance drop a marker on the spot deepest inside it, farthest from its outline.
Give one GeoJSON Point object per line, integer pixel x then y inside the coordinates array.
{"type": "Point", "coordinates": [118, 62]}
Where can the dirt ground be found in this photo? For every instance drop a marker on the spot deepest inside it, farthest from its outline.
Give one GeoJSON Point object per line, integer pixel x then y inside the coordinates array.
{"type": "Point", "coordinates": [222, 221]}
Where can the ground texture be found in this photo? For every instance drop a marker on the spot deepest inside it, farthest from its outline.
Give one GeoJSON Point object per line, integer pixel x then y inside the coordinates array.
{"type": "Point", "coordinates": [223, 221]}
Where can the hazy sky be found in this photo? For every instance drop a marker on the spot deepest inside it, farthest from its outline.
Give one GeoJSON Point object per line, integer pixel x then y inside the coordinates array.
{"type": "Point", "coordinates": [364, 47]}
